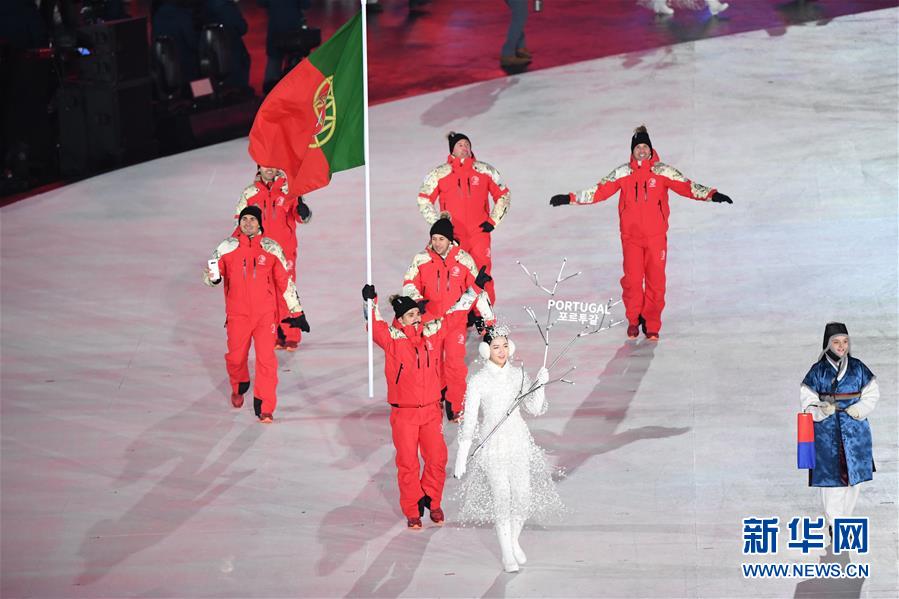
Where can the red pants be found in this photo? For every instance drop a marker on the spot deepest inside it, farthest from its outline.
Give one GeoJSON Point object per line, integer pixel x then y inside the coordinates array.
{"type": "Point", "coordinates": [477, 243]}
{"type": "Point", "coordinates": [643, 283]}
{"type": "Point", "coordinates": [454, 367]}
{"type": "Point", "coordinates": [261, 331]}
{"type": "Point", "coordinates": [289, 333]}
{"type": "Point", "coordinates": [414, 429]}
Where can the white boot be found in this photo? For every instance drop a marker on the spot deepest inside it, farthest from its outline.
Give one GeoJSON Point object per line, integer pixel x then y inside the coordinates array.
{"type": "Point", "coordinates": [661, 7]}
{"type": "Point", "coordinates": [716, 7]}
{"type": "Point", "coordinates": [504, 535]}
{"type": "Point", "coordinates": [520, 557]}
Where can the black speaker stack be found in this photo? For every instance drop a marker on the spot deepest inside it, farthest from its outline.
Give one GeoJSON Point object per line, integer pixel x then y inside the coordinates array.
{"type": "Point", "coordinates": [106, 113]}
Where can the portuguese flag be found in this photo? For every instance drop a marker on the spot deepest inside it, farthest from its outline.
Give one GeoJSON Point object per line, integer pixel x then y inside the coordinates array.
{"type": "Point", "coordinates": [311, 124]}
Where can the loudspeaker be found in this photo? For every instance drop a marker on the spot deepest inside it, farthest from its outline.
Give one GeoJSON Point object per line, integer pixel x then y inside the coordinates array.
{"type": "Point", "coordinates": [105, 126]}
{"type": "Point", "coordinates": [119, 50]}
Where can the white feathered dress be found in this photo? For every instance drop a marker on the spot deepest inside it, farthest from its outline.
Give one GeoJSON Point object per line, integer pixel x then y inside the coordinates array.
{"type": "Point", "coordinates": [509, 478]}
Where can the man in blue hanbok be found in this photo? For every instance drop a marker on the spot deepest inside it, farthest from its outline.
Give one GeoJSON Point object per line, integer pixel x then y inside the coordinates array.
{"type": "Point", "coordinates": [839, 391]}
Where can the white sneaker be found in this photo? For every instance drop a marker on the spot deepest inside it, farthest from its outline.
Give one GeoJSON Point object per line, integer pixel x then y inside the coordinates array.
{"type": "Point", "coordinates": [661, 8]}
{"type": "Point", "coordinates": [716, 7]}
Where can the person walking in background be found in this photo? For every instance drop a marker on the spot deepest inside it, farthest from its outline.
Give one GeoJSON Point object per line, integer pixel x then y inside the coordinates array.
{"type": "Point", "coordinates": [515, 53]}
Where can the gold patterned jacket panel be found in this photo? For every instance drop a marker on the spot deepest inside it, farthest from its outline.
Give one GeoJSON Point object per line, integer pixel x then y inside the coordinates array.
{"type": "Point", "coordinates": [248, 192]}
{"type": "Point", "coordinates": [588, 196]}
{"type": "Point", "coordinates": [409, 288]}
{"type": "Point", "coordinates": [700, 192]}
{"type": "Point", "coordinates": [228, 245]}
{"type": "Point", "coordinates": [291, 297]}
{"type": "Point", "coordinates": [500, 204]}
{"type": "Point", "coordinates": [426, 193]}
{"type": "Point", "coordinates": [465, 259]}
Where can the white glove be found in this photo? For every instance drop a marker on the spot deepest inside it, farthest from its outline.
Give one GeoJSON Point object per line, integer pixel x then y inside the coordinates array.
{"type": "Point", "coordinates": [542, 376]}
{"type": "Point", "coordinates": [461, 459]}
{"type": "Point", "coordinates": [854, 411]}
{"type": "Point", "coordinates": [827, 408]}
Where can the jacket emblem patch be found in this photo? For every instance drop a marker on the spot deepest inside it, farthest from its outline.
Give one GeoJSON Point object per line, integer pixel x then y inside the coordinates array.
{"type": "Point", "coordinates": [279, 201]}
{"type": "Point", "coordinates": [652, 182]}
{"type": "Point", "coordinates": [475, 180]}
{"type": "Point", "coordinates": [455, 271]}
{"type": "Point", "coordinates": [261, 259]}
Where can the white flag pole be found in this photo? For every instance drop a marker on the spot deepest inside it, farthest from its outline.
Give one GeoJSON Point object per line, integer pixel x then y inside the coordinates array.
{"type": "Point", "coordinates": [368, 304]}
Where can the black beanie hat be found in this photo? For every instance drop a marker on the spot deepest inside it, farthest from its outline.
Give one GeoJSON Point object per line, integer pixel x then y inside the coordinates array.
{"type": "Point", "coordinates": [831, 329]}
{"type": "Point", "coordinates": [641, 136]}
{"type": "Point", "coordinates": [402, 304]}
{"type": "Point", "coordinates": [254, 211]}
{"type": "Point", "coordinates": [444, 227]}
{"type": "Point", "coordinates": [455, 138]}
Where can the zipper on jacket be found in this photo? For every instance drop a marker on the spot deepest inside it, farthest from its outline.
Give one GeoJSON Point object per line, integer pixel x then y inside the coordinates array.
{"type": "Point", "coordinates": [245, 268]}
{"type": "Point", "coordinates": [417, 358]}
{"type": "Point", "coordinates": [636, 192]}
{"type": "Point", "coordinates": [399, 372]}
{"type": "Point", "coordinates": [645, 193]}
{"type": "Point", "coordinates": [254, 267]}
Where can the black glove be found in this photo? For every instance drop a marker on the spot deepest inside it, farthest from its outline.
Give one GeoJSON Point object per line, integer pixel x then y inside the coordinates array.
{"type": "Point", "coordinates": [422, 304]}
{"type": "Point", "coordinates": [560, 200]}
{"type": "Point", "coordinates": [368, 292]}
{"type": "Point", "coordinates": [302, 209]}
{"type": "Point", "coordinates": [486, 227]}
{"type": "Point", "coordinates": [297, 322]}
{"type": "Point", "coordinates": [483, 278]}
{"type": "Point", "coordinates": [450, 415]}
{"type": "Point", "coordinates": [720, 197]}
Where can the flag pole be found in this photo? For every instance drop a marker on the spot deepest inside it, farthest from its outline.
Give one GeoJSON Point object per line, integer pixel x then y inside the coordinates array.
{"type": "Point", "coordinates": [371, 361]}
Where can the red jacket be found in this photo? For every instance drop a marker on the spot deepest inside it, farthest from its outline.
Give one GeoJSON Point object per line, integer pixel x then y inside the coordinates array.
{"type": "Point", "coordinates": [643, 203]}
{"type": "Point", "coordinates": [279, 211]}
{"type": "Point", "coordinates": [462, 186]}
{"type": "Point", "coordinates": [412, 363]}
{"type": "Point", "coordinates": [439, 280]}
{"type": "Point", "coordinates": [254, 269]}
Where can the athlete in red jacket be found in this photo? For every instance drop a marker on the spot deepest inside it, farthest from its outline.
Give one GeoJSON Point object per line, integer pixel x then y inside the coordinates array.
{"type": "Point", "coordinates": [412, 366]}
{"type": "Point", "coordinates": [643, 211]}
{"type": "Point", "coordinates": [462, 185]}
{"type": "Point", "coordinates": [254, 271]}
{"type": "Point", "coordinates": [435, 279]}
{"type": "Point", "coordinates": [282, 211]}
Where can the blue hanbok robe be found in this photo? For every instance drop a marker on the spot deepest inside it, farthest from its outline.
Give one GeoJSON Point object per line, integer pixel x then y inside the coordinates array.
{"type": "Point", "coordinates": [843, 453]}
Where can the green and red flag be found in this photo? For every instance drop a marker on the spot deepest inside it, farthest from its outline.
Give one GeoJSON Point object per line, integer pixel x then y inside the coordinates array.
{"type": "Point", "coordinates": [311, 124]}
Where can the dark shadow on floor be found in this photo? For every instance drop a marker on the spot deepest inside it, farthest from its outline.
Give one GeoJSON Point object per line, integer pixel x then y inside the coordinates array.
{"type": "Point", "coordinates": [187, 439]}
{"type": "Point", "coordinates": [347, 529]}
{"type": "Point", "coordinates": [390, 574]}
{"type": "Point", "coordinates": [466, 103]}
{"type": "Point", "coordinates": [827, 588]}
{"type": "Point", "coordinates": [592, 428]}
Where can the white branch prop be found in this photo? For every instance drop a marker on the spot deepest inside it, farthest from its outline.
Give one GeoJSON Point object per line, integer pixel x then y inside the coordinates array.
{"type": "Point", "coordinates": [545, 334]}
{"type": "Point", "coordinates": [544, 331]}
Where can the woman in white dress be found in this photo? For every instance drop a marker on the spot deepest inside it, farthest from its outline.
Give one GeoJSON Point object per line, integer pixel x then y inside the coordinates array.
{"type": "Point", "coordinates": [508, 480]}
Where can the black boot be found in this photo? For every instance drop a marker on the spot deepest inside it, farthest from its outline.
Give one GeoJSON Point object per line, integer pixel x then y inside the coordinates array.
{"type": "Point", "coordinates": [243, 387]}
{"type": "Point", "coordinates": [642, 322]}
{"type": "Point", "coordinates": [257, 407]}
{"type": "Point", "coordinates": [424, 502]}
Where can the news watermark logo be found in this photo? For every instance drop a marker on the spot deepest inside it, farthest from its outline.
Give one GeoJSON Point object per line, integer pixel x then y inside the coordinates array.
{"type": "Point", "coordinates": [849, 535]}
{"type": "Point", "coordinates": [586, 313]}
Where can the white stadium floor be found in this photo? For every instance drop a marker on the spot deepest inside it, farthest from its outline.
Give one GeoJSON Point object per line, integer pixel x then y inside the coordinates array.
{"type": "Point", "coordinates": [125, 472]}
